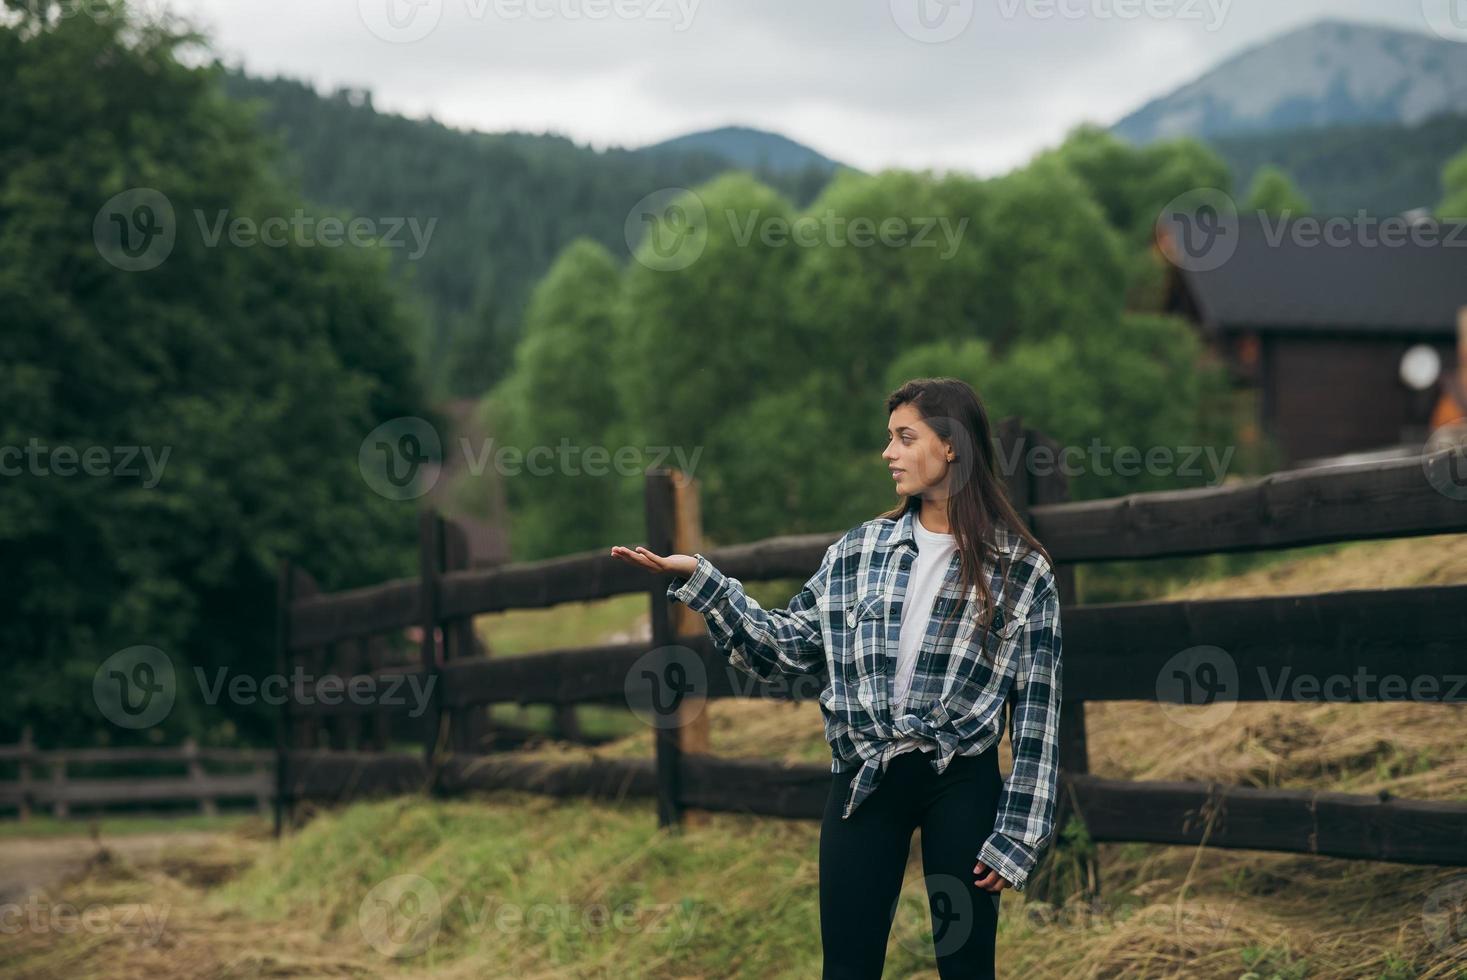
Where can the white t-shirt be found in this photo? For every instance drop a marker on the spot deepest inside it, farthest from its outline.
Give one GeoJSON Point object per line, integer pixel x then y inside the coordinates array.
{"type": "Point", "coordinates": [929, 568]}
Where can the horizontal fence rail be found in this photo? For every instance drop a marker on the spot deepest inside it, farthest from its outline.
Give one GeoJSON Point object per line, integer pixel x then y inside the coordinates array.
{"type": "Point", "coordinates": [61, 787]}
{"type": "Point", "coordinates": [337, 616]}
{"type": "Point", "coordinates": [160, 789]}
{"type": "Point", "coordinates": [1395, 498]}
{"type": "Point", "coordinates": [1115, 810]}
{"type": "Point", "coordinates": [1363, 634]}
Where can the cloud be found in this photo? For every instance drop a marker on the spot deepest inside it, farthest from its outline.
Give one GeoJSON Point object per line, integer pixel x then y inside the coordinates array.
{"type": "Point", "coordinates": [845, 76]}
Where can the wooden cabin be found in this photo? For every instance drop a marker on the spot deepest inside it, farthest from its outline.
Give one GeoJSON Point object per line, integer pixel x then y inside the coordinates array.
{"type": "Point", "coordinates": [1351, 345]}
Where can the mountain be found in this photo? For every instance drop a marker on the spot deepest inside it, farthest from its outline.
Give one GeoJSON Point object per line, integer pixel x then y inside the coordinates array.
{"type": "Point", "coordinates": [1327, 73]}
{"type": "Point", "coordinates": [751, 148]}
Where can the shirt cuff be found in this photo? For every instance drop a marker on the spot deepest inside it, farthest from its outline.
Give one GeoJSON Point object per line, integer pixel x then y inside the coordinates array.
{"type": "Point", "coordinates": [701, 590]}
{"type": "Point", "coordinates": [1009, 858]}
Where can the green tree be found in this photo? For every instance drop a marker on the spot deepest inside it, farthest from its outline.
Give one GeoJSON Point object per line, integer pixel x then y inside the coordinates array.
{"type": "Point", "coordinates": [1138, 381]}
{"type": "Point", "coordinates": [1049, 260]}
{"type": "Point", "coordinates": [704, 322]}
{"type": "Point", "coordinates": [785, 462]}
{"type": "Point", "coordinates": [561, 391]}
{"type": "Point", "coordinates": [1454, 183]}
{"type": "Point", "coordinates": [251, 374]}
{"type": "Point", "coordinates": [762, 342]}
{"type": "Point", "coordinates": [1132, 185]}
{"type": "Point", "coordinates": [1274, 194]}
{"type": "Point", "coordinates": [892, 263]}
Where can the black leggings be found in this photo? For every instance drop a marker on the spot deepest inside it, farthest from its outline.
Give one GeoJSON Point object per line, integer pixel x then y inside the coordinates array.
{"type": "Point", "coordinates": [862, 860]}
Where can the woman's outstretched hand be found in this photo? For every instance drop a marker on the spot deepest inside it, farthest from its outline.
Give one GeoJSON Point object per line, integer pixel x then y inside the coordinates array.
{"type": "Point", "coordinates": [683, 565]}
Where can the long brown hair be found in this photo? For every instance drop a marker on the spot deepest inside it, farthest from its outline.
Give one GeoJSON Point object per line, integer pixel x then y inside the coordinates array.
{"type": "Point", "coordinates": [979, 499]}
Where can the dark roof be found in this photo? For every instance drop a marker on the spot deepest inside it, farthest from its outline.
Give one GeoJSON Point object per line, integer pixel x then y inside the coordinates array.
{"type": "Point", "coordinates": [1272, 281]}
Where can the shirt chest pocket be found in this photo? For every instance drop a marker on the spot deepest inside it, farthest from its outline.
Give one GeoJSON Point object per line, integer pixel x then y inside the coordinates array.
{"type": "Point", "coordinates": [865, 622]}
{"type": "Point", "coordinates": [1008, 620]}
{"type": "Point", "coordinates": [864, 665]}
{"type": "Point", "coordinates": [867, 609]}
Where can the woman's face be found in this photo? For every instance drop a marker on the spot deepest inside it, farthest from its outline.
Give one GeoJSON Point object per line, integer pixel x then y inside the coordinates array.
{"type": "Point", "coordinates": [915, 454]}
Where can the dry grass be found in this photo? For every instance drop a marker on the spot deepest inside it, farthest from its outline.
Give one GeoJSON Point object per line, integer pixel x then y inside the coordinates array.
{"type": "Point", "coordinates": [1389, 564]}
{"type": "Point", "coordinates": [1410, 749]}
{"type": "Point", "coordinates": [153, 920]}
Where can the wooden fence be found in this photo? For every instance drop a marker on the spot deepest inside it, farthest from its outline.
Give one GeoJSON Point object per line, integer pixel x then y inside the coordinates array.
{"type": "Point", "coordinates": [1112, 651]}
{"type": "Point", "coordinates": [47, 780]}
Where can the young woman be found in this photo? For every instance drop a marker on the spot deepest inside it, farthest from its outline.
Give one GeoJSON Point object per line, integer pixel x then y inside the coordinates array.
{"type": "Point", "coordinates": [924, 622]}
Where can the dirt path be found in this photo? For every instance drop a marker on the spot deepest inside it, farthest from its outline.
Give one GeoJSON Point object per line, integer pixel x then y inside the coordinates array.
{"type": "Point", "coordinates": [31, 864]}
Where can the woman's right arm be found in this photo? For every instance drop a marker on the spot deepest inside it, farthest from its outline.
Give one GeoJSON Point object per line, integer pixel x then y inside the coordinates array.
{"type": "Point", "coordinates": [762, 642]}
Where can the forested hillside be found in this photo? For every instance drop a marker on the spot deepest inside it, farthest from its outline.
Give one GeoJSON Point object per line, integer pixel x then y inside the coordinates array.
{"type": "Point", "coordinates": [1384, 169]}
{"type": "Point", "coordinates": [505, 204]}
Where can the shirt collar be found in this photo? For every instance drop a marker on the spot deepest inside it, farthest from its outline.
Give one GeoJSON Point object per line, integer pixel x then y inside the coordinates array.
{"type": "Point", "coordinates": [902, 533]}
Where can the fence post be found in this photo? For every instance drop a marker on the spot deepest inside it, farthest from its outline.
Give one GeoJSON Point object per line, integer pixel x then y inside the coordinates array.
{"type": "Point", "coordinates": [305, 724]}
{"type": "Point", "coordinates": [1064, 870]}
{"type": "Point", "coordinates": [262, 798]}
{"type": "Point", "coordinates": [283, 594]}
{"type": "Point", "coordinates": [466, 727]}
{"type": "Point", "coordinates": [207, 805]}
{"type": "Point", "coordinates": [311, 727]}
{"type": "Point", "coordinates": [373, 651]}
{"type": "Point", "coordinates": [673, 527]}
{"type": "Point", "coordinates": [294, 583]}
{"type": "Point", "coordinates": [430, 564]}
{"type": "Point", "coordinates": [60, 809]}
{"type": "Point", "coordinates": [346, 730]}
{"type": "Point", "coordinates": [692, 729]}
{"type": "Point", "coordinates": [27, 747]}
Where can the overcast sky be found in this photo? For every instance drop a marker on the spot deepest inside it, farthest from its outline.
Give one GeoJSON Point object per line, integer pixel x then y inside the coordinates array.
{"type": "Point", "coordinates": [978, 85]}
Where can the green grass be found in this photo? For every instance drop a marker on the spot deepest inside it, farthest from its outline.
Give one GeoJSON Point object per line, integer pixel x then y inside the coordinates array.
{"type": "Point", "coordinates": [514, 883]}
{"type": "Point", "coordinates": [519, 883]}
{"type": "Point", "coordinates": [572, 624]}
{"type": "Point", "coordinates": [594, 720]}
{"type": "Point", "coordinates": [47, 826]}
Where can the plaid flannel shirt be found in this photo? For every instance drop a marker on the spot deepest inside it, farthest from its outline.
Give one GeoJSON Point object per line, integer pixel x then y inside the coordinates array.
{"type": "Point", "coordinates": [844, 625]}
